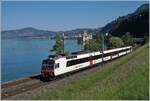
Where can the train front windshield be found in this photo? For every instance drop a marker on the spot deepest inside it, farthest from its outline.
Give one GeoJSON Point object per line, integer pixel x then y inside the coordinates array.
{"type": "Point", "coordinates": [47, 64]}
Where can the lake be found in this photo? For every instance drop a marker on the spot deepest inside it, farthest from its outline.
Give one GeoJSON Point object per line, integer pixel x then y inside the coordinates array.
{"type": "Point", "coordinates": [22, 57]}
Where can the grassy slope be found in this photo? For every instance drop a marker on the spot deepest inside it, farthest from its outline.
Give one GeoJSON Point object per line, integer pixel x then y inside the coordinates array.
{"type": "Point", "coordinates": [125, 78]}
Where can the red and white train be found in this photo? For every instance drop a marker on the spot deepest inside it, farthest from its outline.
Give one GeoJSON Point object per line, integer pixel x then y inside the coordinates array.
{"type": "Point", "coordinates": [58, 65]}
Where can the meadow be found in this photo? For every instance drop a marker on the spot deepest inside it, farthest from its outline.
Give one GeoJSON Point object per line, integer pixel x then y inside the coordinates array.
{"type": "Point", "coordinates": [124, 78]}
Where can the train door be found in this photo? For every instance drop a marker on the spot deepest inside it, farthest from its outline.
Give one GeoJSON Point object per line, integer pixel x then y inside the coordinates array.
{"type": "Point", "coordinates": [91, 60]}
{"type": "Point", "coordinates": [111, 54]}
{"type": "Point", "coordinates": [60, 66]}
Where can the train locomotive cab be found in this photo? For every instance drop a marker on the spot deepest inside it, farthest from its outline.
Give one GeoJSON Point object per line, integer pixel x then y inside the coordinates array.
{"type": "Point", "coordinates": [47, 69]}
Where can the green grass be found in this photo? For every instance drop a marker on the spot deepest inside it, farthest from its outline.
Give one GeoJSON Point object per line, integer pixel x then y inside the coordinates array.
{"type": "Point", "coordinates": [124, 78]}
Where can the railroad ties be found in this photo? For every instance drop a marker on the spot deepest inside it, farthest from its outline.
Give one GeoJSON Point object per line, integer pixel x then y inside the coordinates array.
{"type": "Point", "coordinates": [18, 86]}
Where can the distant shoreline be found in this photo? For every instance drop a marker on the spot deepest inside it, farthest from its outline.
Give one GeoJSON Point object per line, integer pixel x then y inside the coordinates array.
{"type": "Point", "coordinates": [34, 38]}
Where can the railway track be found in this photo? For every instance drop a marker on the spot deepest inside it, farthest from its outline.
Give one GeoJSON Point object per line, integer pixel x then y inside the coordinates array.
{"type": "Point", "coordinates": [16, 82]}
{"type": "Point", "coordinates": [16, 87]}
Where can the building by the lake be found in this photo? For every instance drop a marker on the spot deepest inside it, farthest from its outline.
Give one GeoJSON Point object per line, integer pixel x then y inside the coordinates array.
{"type": "Point", "coordinates": [84, 37]}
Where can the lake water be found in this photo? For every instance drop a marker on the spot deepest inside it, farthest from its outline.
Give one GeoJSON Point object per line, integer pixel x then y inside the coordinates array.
{"type": "Point", "coordinates": [22, 57]}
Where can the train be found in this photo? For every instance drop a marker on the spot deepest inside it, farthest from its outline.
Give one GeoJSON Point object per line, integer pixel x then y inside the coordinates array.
{"type": "Point", "coordinates": [56, 65]}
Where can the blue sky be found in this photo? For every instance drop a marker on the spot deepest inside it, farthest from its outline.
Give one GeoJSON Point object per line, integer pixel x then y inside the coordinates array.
{"type": "Point", "coordinates": [60, 16]}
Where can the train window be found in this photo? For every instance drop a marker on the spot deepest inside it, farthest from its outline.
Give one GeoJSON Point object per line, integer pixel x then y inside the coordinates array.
{"type": "Point", "coordinates": [97, 57]}
{"type": "Point", "coordinates": [70, 63]}
{"type": "Point", "coordinates": [50, 65]}
{"type": "Point", "coordinates": [106, 55]}
{"type": "Point", "coordinates": [84, 60]}
{"type": "Point", "coordinates": [115, 53]}
{"type": "Point", "coordinates": [77, 61]}
{"type": "Point", "coordinates": [47, 64]}
{"type": "Point", "coordinates": [57, 65]}
{"type": "Point", "coordinates": [123, 50]}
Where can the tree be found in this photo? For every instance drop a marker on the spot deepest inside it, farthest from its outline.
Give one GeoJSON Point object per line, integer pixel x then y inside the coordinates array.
{"type": "Point", "coordinates": [93, 45]}
{"type": "Point", "coordinates": [58, 46]}
{"type": "Point", "coordinates": [145, 40]}
{"type": "Point", "coordinates": [115, 42]}
{"type": "Point", "coordinates": [127, 39]}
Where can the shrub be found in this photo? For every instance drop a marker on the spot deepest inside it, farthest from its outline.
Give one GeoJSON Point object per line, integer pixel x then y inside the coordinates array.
{"type": "Point", "coordinates": [115, 42]}
{"type": "Point", "coordinates": [127, 39]}
{"type": "Point", "coordinates": [92, 45]}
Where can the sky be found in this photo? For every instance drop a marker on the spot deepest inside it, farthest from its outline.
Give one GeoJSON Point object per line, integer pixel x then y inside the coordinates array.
{"type": "Point", "coordinates": [63, 15]}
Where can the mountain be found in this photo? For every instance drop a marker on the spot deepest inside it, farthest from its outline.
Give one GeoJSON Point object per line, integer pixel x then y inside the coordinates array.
{"type": "Point", "coordinates": [26, 32]}
{"type": "Point", "coordinates": [78, 31]}
{"type": "Point", "coordinates": [144, 7]}
{"type": "Point", "coordinates": [137, 23]}
{"type": "Point", "coordinates": [32, 32]}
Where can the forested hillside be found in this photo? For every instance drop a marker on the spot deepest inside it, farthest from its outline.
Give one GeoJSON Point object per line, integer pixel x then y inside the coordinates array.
{"type": "Point", "coordinates": [137, 23]}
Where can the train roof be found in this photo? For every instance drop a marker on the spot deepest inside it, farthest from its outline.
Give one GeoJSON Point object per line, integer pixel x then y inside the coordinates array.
{"type": "Point", "coordinates": [74, 54]}
{"type": "Point", "coordinates": [70, 56]}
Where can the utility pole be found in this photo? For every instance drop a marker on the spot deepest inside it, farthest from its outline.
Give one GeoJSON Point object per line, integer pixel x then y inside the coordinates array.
{"type": "Point", "coordinates": [63, 43]}
{"type": "Point", "coordinates": [103, 45]}
{"type": "Point", "coordinates": [102, 48]}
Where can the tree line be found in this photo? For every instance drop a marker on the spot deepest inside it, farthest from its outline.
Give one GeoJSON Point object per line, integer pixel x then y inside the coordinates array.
{"type": "Point", "coordinates": [96, 43]}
